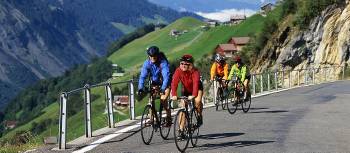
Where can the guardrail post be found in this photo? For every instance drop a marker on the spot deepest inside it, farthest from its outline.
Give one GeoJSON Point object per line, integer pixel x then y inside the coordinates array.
{"type": "Point", "coordinates": [87, 98]}
{"type": "Point", "coordinates": [334, 74]}
{"type": "Point", "coordinates": [254, 84]}
{"type": "Point", "coordinates": [62, 121]}
{"type": "Point", "coordinates": [261, 84]}
{"type": "Point", "coordinates": [268, 81]}
{"type": "Point", "coordinates": [298, 77]}
{"type": "Point", "coordinates": [289, 81]}
{"type": "Point", "coordinates": [276, 80]}
{"type": "Point", "coordinates": [215, 90]}
{"type": "Point", "coordinates": [325, 75]}
{"type": "Point", "coordinates": [313, 76]}
{"type": "Point", "coordinates": [343, 75]}
{"type": "Point", "coordinates": [109, 102]}
{"type": "Point", "coordinates": [282, 78]}
{"type": "Point", "coordinates": [306, 74]}
{"type": "Point", "coordinates": [132, 100]}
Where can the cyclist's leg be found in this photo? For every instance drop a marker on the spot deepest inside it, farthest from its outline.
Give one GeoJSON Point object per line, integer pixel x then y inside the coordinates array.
{"type": "Point", "coordinates": [182, 120]}
{"type": "Point", "coordinates": [199, 106]}
{"type": "Point", "coordinates": [215, 90]}
{"type": "Point", "coordinates": [163, 100]}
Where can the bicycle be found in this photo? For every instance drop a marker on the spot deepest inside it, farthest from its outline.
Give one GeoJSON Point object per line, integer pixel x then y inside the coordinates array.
{"type": "Point", "coordinates": [189, 129]}
{"type": "Point", "coordinates": [221, 94]}
{"type": "Point", "coordinates": [237, 98]}
{"type": "Point", "coordinates": [148, 126]}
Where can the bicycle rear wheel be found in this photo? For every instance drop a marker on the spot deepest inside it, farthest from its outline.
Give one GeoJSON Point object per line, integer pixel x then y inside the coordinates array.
{"type": "Point", "coordinates": [232, 102]}
{"type": "Point", "coordinates": [147, 125]}
{"type": "Point", "coordinates": [164, 129]}
{"type": "Point", "coordinates": [246, 104]}
{"type": "Point", "coordinates": [194, 128]}
{"type": "Point", "coordinates": [181, 131]}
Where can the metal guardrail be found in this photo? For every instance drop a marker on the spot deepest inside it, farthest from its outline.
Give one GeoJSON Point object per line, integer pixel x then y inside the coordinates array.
{"type": "Point", "coordinates": [260, 83]}
{"type": "Point", "coordinates": [87, 106]}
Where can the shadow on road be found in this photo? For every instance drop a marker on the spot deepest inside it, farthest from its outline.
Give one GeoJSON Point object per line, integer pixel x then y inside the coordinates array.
{"type": "Point", "coordinates": [219, 135]}
{"type": "Point", "coordinates": [274, 111]}
{"type": "Point", "coordinates": [237, 144]}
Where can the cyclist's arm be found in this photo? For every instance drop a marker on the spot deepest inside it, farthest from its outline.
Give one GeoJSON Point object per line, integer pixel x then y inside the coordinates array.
{"type": "Point", "coordinates": [165, 73]}
{"type": "Point", "coordinates": [212, 71]}
{"type": "Point", "coordinates": [226, 72]}
{"type": "Point", "coordinates": [195, 78]}
{"type": "Point", "coordinates": [144, 74]}
{"type": "Point", "coordinates": [175, 82]}
{"type": "Point", "coordinates": [244, 72]}
{"type": "Point", "coordinates": [231, 72]}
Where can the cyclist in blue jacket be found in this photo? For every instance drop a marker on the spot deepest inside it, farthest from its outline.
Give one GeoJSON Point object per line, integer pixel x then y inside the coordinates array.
{"type": "Point", "coordinates": [157, 66]}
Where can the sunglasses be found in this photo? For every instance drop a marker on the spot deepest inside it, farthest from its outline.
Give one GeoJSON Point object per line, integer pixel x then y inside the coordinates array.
{"type": "Point", "coordinates": [187, 64]}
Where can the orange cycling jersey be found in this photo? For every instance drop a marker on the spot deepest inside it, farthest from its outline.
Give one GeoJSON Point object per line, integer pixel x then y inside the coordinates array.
{"type": "Point", "coordinates": [220, 70]}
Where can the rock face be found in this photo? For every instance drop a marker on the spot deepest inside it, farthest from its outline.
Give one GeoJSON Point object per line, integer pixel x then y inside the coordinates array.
{"type": "Point", "coordinates": [325, 43]}
{"type": "Point", "coordinates": [44, 38]}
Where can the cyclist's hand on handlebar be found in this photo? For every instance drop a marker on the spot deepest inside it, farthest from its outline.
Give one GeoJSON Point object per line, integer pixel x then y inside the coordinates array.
{"type": "Point", "coordinates": [174, 98]}
{"type": "Point", "coordinates": [162, 91]}
{"type": "Point", "coordinates": [139, 92]}
{"type": "Point", "coordinates": [190, 97]}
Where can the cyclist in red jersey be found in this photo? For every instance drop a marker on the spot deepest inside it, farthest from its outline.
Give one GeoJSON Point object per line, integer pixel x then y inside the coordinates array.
{"type": "Point", "coordinates": [192, 86]}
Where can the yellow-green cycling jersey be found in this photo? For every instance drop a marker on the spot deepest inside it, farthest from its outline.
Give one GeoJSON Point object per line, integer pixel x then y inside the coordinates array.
{"type": "Point", "coordinates": [239, 72]}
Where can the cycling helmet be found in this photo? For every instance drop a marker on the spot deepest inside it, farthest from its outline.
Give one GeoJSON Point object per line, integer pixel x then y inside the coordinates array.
{"type": "Point", "coordinates": [238, 59]}
{"type": "Point", "coordinates": [187, 58]}
{"type": "Point", "coordinates": [153, 51]}
{"type": "Point", "coordinates": [219, 58]}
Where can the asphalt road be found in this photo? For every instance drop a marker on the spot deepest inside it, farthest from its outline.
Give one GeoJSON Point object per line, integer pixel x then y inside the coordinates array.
{"type": "Point", "coordinates": [307, 119]}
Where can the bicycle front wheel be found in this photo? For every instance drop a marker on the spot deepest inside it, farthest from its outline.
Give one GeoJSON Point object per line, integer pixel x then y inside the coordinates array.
{"type": "Point", "coordinates": [232, 102]}
{"type": "Point", "coordinates": [147, 125]}
{"type": "Point", "coordinates": [224, 99]}
{"type": "Point", "coordinates": [194, 128]}
{"type": "Point", "coordinates": [246, 104]}
{"type": "Point", "coordinates": [181, 130]}
{"type": "Point", "coordinates": [218, 100]}
{"type": "Point", "coordinates": [164, 129]}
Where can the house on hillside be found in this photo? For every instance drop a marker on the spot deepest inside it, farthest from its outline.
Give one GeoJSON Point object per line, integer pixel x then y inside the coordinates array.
{"type": "Point", "coordinates": [212, 23]}
{"type": "Point", "coordinates": [239, 42]}
{"type": "Point", "coordinates": [174, 32]}
{"type": "Point", "coordinates": [117, 71]}
{"type": "Point", "coordinates": [226, 50]}
{"type": "Point", "coordinates": [120, 100]}
{"type": "Point", "coordinates": [10, 124]}
{"type": "Point", "coordinates": [236, 19]}
{"type": "Point", "coordinates": [266, 8]}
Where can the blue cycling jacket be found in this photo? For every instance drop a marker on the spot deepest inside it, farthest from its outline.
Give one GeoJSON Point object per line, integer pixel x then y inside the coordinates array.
{"type": "Point", "coordinates": [159, 72]}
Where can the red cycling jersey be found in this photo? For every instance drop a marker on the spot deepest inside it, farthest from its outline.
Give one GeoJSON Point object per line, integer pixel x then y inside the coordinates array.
{"type": "Point", "coordinates": [189, 79]}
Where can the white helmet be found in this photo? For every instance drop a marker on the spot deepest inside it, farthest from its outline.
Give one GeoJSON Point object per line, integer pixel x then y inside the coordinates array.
{"type": "Point", "coordinates": [219, 58]}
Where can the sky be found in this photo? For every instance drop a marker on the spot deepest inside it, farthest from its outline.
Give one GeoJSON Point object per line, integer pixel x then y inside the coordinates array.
{"type": "Point", "coordinates": [215, 9]}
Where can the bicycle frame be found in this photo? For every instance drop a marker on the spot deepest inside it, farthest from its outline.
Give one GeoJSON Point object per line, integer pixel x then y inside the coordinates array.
{"type": "Point", "coordinates": [153, 94]}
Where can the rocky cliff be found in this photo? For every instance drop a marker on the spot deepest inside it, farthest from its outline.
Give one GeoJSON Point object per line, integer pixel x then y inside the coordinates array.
{"type": "Point", "coordinates": [326, 42]}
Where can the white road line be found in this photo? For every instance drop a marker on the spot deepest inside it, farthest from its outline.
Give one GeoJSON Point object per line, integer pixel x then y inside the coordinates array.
{"type": "Point", "coordinates": [106, 138]}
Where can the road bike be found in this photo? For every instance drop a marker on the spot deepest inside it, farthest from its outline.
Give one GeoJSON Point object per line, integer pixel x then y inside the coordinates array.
{"type": "Point", "coordinates": [236, 97]}
{"type": "Point", "coordinates": [221, 93]}
{"type": "Point", "coordinates": [186, 127]}
{"type": "Point", "coordinates": [151, 121]}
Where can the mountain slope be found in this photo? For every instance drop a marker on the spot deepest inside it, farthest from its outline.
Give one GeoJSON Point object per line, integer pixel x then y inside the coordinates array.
{"type": "Point", "coordinates": [44, 38]}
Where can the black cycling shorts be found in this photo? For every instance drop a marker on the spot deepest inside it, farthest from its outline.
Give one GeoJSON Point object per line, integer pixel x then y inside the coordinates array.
{"type": "Point", "coordinates": [184, 93]}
